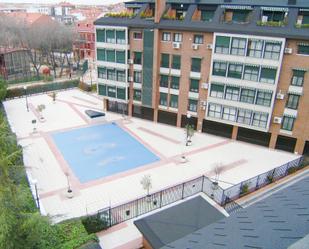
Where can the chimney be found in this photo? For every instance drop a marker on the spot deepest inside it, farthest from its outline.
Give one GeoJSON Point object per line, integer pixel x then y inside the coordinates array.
{"type": "Point", "coordinates": [159, 9]}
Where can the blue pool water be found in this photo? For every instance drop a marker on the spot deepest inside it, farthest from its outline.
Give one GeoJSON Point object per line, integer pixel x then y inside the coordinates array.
{"type": "Point", "coordinates": [100, 151]}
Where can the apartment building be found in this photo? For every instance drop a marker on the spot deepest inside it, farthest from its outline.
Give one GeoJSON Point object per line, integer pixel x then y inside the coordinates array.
{"type": "Point", "coordinates": [231, 68]}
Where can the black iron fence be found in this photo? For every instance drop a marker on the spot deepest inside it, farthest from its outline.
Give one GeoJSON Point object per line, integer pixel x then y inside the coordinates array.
{"type": "Point", "coordinates": [202, 184]}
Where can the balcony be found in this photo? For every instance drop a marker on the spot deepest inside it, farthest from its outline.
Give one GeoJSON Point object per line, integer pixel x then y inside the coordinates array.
{"type": "Point", "coordinates": [176, 12]}
{"type": "Point", "coordinates": [273, 17]}
{"type": "Point", "coordinates": [148, 13]}
{"type": "Point", "coordinates": [124, 14]}
{"type": "Point", "coordinates": [302, 19]}
{"type": "Point", "coordinates": [239, 16]}
{"type": "Point", "coordinates": [204, 13]}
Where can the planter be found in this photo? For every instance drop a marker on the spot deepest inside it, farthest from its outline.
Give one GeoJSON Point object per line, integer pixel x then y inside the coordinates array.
{"type": "Point", "coordinates": [189, 143]}
{"type": "Point", "coordinates": [183, 159]}
{"type": "Point", "coordinates": [148, 198]}
{"type": "Point", "coordinates": [70, 194]}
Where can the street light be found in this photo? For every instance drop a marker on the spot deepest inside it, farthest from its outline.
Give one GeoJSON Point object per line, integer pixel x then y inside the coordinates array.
{"type": "Point", "coordinates": [27, 105]}
{"type": "Point", "coordinates": [35, 182]}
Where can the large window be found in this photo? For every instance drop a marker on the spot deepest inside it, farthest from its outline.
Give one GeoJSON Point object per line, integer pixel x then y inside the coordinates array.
{"type": "Point", "coordinates": [222, 44]}
{"type": "Point", "coordinates": [298, 77]}
{"type": "Point", "coordinates": [251, 73]}
{"type": "Point", "coordinates": [268, 75]}
{"type": "Point", "coordinates": [102, 72]}
{"type": "Point", "coordinates": [121, 76]}
{"type": "Point", "coordinates": [121, 93]}
{"type": "Point", "coordinates": [100, 35]}
{"type": "Point", "coordinates": [176, 62]}
{"type": "Point", "coordinates": [292, 101]}
{"type": "Point", "coordinates": [219, 68]}
{"type": "Point", "coordinates": [235, 71]}
{"type": "Point", "coordinates": [137, 94]}
{"type": "Point", "coordinates": [110, 55]}
{"type": "Point", "coordinates": [121, 57]}
{"type": "Point", "coordinates": [207, 15]}
{"type": "Point", "coordinates": [240, 16]}
{"type": "Point", "coordinates": [263, 98]}
{"type": "Point", "coordinates": [214, 111]}
{"type": "Point", "coordinates": [232, 93]}
{"type": "Point", "coordinates": [111, 91]}
{"type": "Point", "coordinates": [229, 113]}
{"type": "Point", "coordinates": [244, 116]}
{"type": "Point", "coordinates": [166, 36]}
{"type": "Point", "coordinates": [163, 99]}
{"type": "Point", "coordinates": [164, 81]}
{"type": "Point", "coordinates": [165, 60]}
{"type": "Point", "coordinates": [174, 101]}
{"type": "Point", "coordinates": [102, 90]}
{"type": "Point", "coordinates": [110, 36]}
{"type": "Point", "coordinates": [287, 123]}
{"type": "Point", "coordinates": [137, 77]}
{"type": "Point", "coordinates": [101, 54]}
{"type": "Point", "coordinates": [303, 48]}
{"type": "Point", "coordinates": [198, 39]}
{"type": "Point", "coordinates": [138, 58]}
{"type": "Point", "coordinates": [192, 106]}
{"type": "Point", "coordinates": [196, 65]}
{"type": "Point", "coordinates": [175, 82]}
{"type": "Point", "coordinates": [247, 96]}
{"type": "Point", "coordinates": [111, 74]}
{"type": "Point", "coordinates": [238, 46]}
{"type": "Point", "coordinates": [177, 37]}
{"type": "Point", "coordinates": [216, 90]}
{"type": "Point", "coordinates": [194, 85]}
{"type": "Point", "coordinates": [272, 50]}
{"type": "Point", "coordinates": [260, 120]}
{"type": "Point", "coordinates": [120, 37]}
{"type": "Point", "coordinates": [255, 48]}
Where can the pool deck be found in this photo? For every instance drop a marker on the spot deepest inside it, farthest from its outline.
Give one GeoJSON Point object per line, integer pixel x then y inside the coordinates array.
{"type": "Point", "coordinates": [45, 163]}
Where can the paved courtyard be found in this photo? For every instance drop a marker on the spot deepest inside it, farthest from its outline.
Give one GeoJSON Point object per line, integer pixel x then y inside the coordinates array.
{"type": "Point", "coordinates": [46, 164]}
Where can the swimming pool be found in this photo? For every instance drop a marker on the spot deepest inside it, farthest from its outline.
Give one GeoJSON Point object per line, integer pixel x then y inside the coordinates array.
{"type": "Point", "coordinates": [103, 150]}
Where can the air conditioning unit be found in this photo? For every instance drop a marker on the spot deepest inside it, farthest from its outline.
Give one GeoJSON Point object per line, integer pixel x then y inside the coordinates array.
{"type": "Point", "coordinates": [176, 45]}
{"type": "Point", "coordinates": [130, 61]}
{"type": "Point", "coordinates": [205, 85]}
{"type": "Point", "coordinates": [203, 103]}
{"type": "Point", "coordinates": [209, 46]}
{"type": "Point", "coordinates": [203, 107]}
{"type": "Point", "coordinates": [264, 18]}
{"type": "Point", "coordinates": [299, 22]}
{"type": "Point", "coordinates": [288, 50]}
{"type": "Point", "coordinates": [195, 46]}
{"type": "Point", "coordinates": [280, 95]}
{"type": "Point", "coordinates": [130, 78]}
{"type": "Point", "coordinates": [277, 120]}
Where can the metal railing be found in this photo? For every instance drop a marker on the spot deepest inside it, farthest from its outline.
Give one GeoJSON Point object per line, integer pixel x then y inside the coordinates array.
{"type": "Point", "coordinates": [202, 184]}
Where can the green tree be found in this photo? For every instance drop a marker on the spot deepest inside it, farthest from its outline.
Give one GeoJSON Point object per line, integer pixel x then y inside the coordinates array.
{"type": "Point", "coordinates": [3, 89]}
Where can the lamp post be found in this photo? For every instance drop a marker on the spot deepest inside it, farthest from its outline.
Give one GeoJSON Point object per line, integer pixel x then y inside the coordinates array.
{"type": "Point", "coordinates": [35, 182]}
{"type": "Point", "coordinates": [27, 105]}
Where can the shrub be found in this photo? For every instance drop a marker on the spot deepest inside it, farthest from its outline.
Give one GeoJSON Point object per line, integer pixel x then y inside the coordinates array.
{"type": "Point", "coordinates": [271, 23]}
{"type": "Point", "coordinates": [292, 170]}
{"type": "Point", "coordinates": [270, 178]}
{"type": "Point", "coordinates": [94, 223]}
{"type": "Point", "coordinates": [244, 189]}
{"type": "Point", "coordinates": [83, 86]}
{"type": "Point", "coordinates": [299, 26]}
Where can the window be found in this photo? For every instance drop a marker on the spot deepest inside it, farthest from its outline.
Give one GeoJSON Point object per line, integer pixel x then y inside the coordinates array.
{"type": "Point", "coordinates": [216, 90]}
{"type": "Point", "coordinates": [121, 76]}
{"type": "Point", "coordinates": [235, 71]}
{"type": "Point", "coordinates": [120, 57]}
{"type": "Point", "coordinates": [207, 15]}
{"type": "Point", "coordinates": [165, 60]}
{"type": "Point", "coordinates": [222, 44]}
{"type": "Point", "coordinates": [240, 16]}
{"type": "Point", "coordinates": [192, 106]}
{"type": "Point", "coordinates": [111, 91]}
{"type": "Point", "coordinates": [100, 35]}
{"type": "Point", "coordinates": [111, 74]}
{"type": "Point", "coordinates": [268, 75]}
{"type": "Point", "coordinates": [120, 37]}
{"type": "Point", "coordinates": [102, 72]}
{"type": "Point", "coordinates": [247, 96]}
{"type": "Point", "coordinates": [176, 62]}
{"type": "Point", "coordinates": [292, 101]}
{"type": "Point", "coordinates": [110, 36]}
{"type": "Point", "coordinates": [251, 73]}
{"type": "Point", "coordinates": [260, 120]}
{"type": "Point", "coordinates": [263, 98]}
{"type": "Point", "coordinates": [137, 77]}
{"type": "Point", "coordinates": [137, 35]}
{"type": "Point", "coordinates": [194, 85]}
{"type": "Point", "coordinates": [102, 90]}
{"type": "Point", "coordinates": [175, 82]}
{"type": "Point", "coordinates": [177, 37]}
{"type": "Point", "coordinates": [198, 39]}
{"type": "Point", "coordinates": [298, 77]}
{"type": "Point", "coordinates": [238, 46]}
{"type": "Point", "coordinates": [255, 48]}
{"type": "Point", "coordinates": [163, 99]}
{"type": "Point", "coordinates": [303, 49]}
{"type": "Point", "coordinates": [244, 117]}
{"type": "Point", "coordinates": [166, 36]}
{"type": "Point", "coordinates": [110, 55]}
{"type": "Point", "coordinates": [174, 101]}
{"type": "Point", "coordinates": [164, 81]}
{"type": "Point", "coordinates": [196, 64]}
{"type": "Point", "coordinates": [272, 50]}
{"type": "Point", "coordinates": [231, 93]}
{"type": "Point", "coordinates": [101, 54]}
{"type": "Point", "coordinates": [229, 113]}
{"type": "Point", "coordinates": [214, 111]}
{"type": "Point", "coordinates": [219, 68]}
{"type": "Point", "coordinates": [138, 58]}
{"type": "Point", "coordinates": [121, 93]}
{"type": "Point", "coordinates": [274, 16]}
{"type": "Point", "coordinates": [137, 95]}
{"type": "Point", "coordinates": [287, 123]}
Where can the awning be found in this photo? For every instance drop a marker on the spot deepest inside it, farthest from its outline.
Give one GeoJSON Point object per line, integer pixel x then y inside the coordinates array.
{"type": "Point", "coordinates": [251, 65]}
{"type": "Point", "coordinates": [268, 67]}
{"type": "Point", "coordinates": [265, 90]}
{"type": "Point", "coordinates": [300, 69]}
{"type": "Point", "coordinates": [272, 41]}
{"type": "Point", "coordinates": [303, 44]}
{"type": "Point", "coordinates": [275, 9]}
{"type": "Point", "coordinates": [237, 7]}
{"type": "Point", "coordinates": [289, 115]}
{"type": "Point", "coordinates": [235, 63]}
{"type": "Point", "coordinates": [304, 10]}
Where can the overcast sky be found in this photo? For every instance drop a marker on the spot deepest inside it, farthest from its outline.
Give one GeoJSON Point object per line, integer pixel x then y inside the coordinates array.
{"type": "Point", "coordinates": [98, 2]}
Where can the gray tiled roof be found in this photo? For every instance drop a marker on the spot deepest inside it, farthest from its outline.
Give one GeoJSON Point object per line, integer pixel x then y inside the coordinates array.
{"type": "Point", "coordinates": [276, 222]}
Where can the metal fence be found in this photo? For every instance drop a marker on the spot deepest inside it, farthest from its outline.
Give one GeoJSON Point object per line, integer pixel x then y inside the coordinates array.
{"type": "Point", "coordinates": [202, 184]}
